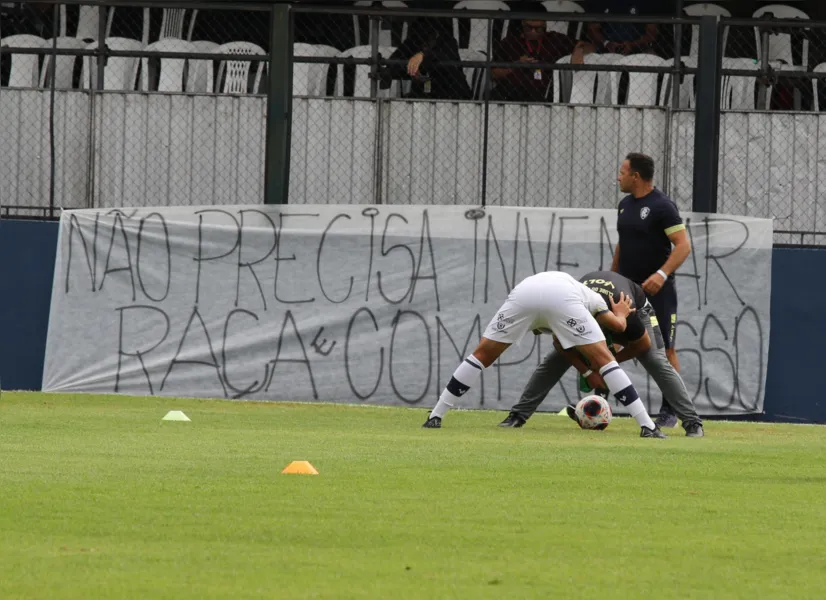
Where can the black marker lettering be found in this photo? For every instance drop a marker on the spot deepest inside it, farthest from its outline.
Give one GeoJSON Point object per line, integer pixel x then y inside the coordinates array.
{"type": "Point", "coordinates": [708, 349]}
{"type": "Point", "coordinates": [559, 262]}
{"type": "Point", "coordinates": [604, 240]}
{"type": "Point", "coordinates": [288, 318]}
{"type": "Point", "coordinates": [201, 258]}
{"type": "Point", "coordinates": [516, 249]}
{"type": "Point", "coordinates": [91, 261]}
{"type": "Point", "coordinates": [168, 249]}
{"type": "Point", "coordinates": [318, 260]}
{"type": "Point", "coordinates": [696, 275]}
{"type": "Point", "coordinates": [388, 251]}
{"type": "Point", "coordinates": [136, 352]}
{"type": "Point", "coordinates": [738, 339]}
{"type": "Point", "coordinates": [195, 352]}
{"type": "Point", "coordinates": [407, 347]}
{"type": "Point", "coordinates": [715, 258]}
{"type": "Point", "coordinates": [549, 243]}
{"type": "Point", "coordinates": [239, 343]}
{"type": "Point", "coordinates": [350, 382]}
{"type": "Point", "coordinates": [492, 234]}
{"type": "Point", "coordinates": [426, 235]}
{"type": "Point", "coordinates": [370, 212]}
{"type": "Point", "coordinates": [475, 332]}
{"type": "Point", "coordinates": [117, 223]}
{"type": "Point", "coordinates": [500, 364]}
{"type": "Point", "coordinates": [696, 353]}
{"type": "Point", "coordinates": [279, 258]}
{"type": "Point", "coordinates": [250, 264]}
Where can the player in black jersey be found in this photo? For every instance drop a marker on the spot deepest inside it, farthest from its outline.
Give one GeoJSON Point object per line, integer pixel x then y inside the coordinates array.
{"type": "Point", "coordinates": [641, 340]}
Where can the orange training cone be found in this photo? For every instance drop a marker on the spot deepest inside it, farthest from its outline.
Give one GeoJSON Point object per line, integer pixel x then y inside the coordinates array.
{"type": "Point", "coordinates": [300, 467]}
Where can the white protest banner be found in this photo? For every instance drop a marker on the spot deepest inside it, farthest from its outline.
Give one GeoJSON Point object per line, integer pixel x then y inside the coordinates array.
{"type": "Point", "coordinates": [370, 304]}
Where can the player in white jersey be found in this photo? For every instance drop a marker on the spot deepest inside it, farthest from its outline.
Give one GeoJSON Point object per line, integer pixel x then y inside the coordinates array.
{"type": "Point", "coordinates": [552, 302]}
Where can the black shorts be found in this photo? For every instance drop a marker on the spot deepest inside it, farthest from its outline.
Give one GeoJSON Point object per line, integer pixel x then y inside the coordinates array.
{"type": "Point", "coordinates": [665, 308]}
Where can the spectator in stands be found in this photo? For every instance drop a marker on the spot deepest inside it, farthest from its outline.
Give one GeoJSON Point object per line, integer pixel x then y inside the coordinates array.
{"type": "Point", "coordinates": [622, 38]}
{"type": "Point", "coordinates": [429, 44]}
{"type": "Point", "coordinates": [533, 44]}
{"type": "Point", "coordinates": [32, 18]}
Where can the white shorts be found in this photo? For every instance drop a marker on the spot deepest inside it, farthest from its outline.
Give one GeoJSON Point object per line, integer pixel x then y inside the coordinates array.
{"type": "Point", "coordinates": [550, 302]}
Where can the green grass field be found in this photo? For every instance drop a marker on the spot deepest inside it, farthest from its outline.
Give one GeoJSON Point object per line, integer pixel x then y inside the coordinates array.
{"type": "Point", "coordinates": [100, 499]}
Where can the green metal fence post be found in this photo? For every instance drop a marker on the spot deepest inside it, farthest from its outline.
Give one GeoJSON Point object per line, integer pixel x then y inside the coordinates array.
{"type": "Point", "coordinates": [279, 107]}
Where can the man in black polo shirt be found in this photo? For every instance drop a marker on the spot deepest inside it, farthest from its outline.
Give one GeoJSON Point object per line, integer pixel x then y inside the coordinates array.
{"type": "Point", "coordinates": [649, 224]}
{"type": "Point", "coordinates": [641, 340]}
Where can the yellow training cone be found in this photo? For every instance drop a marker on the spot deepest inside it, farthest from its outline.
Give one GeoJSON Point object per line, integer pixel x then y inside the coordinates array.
{"type": "Point", "coordinates": [176, 415]}
{"type": "Point", "coordinates": [300, 467]}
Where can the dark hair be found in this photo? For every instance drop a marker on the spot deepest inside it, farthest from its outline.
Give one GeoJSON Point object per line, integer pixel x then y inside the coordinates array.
{"type": "Point", "coordinates": [641, 164]}
{"type": "Point", "coordinates": [426, 30]}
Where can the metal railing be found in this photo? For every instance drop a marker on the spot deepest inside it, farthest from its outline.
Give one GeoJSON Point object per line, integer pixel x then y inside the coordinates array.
{"type": "Point", "coordinates": [67, 76]}
{"type": "Point", "coordinates": [485, 125]}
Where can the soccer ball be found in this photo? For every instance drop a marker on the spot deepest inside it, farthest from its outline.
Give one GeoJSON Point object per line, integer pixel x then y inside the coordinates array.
{"type": "Point", "coordinates": [593, 412]}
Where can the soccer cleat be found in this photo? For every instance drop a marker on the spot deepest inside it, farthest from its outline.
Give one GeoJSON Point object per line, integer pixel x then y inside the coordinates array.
{"type": "Point", "coordinates": [513, 420]}
{"type": "Point", "coordinates": [433, 423]}
{"type": "Point", "coordinates": [571, 410]}
{"type": "Point", "coordinates": [666, 420]}
{"type": "Point", "coordinates": [694, 429]}
{"type": "Point", "coordinates": [645, 432]}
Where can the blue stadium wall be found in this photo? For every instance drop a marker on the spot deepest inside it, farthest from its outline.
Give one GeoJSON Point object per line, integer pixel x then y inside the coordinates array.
{"type": "Point", "coordinates": [27, 255]}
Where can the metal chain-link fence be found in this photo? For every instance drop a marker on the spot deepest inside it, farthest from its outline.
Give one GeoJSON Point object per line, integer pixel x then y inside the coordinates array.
{"type": "Point", "coordinates": [480, 108]}
{"type": "Point", "coordinates": [123, 105]}
{"type": "Point", "coordinates": [770, 144]}
{"type": "Point", "coordinates": [396, 105]}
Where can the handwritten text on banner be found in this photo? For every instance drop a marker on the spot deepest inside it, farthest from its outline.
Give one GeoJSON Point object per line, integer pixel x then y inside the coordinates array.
{"type": "Point", "coordinates": [369, 303]}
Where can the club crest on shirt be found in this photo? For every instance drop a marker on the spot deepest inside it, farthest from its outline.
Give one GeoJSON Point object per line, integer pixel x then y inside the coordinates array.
{"type": "Point", "coordinates": [644, 212]}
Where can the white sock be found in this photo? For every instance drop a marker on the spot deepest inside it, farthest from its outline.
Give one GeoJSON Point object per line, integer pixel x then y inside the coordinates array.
{"type": "Point", "coordinates": [626, 394]}
{"type": "Point", "coordinates": [463, 378]}
{"type": "Point", "coordinates": [637, 410]}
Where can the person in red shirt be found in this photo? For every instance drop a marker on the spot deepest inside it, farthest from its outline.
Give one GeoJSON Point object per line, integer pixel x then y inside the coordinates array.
{"type": "Point", "coordinates": [532, 45]}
